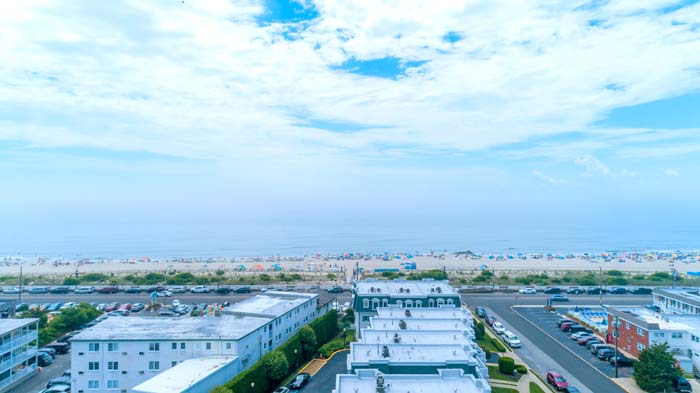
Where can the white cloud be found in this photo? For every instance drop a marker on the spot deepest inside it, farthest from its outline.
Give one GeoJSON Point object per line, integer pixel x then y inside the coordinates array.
{"type": "Point", "coordinates": [628, 173]}
{"type": "Point", "coordinates": [206, 81]}
{"type": "Point", "coordinates": [672, 172]}
{"type": "Point", "coordinates": [545, 178]}
{"type": "Point", "coordinates": [593, 166]}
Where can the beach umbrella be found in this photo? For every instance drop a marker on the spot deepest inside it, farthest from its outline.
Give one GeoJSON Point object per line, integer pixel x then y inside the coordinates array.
{"type": "Point", "coordinates": [276, 267]}
{"type": "Point", "coordinates": [242, 267]}
{"type": "Point", "coordinates": [483, 267]}
{"type": "Point", "coordinates": [259, 267]}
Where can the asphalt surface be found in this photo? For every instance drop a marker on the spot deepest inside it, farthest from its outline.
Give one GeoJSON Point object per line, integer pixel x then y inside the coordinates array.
{"type": "Point", "coordinates": [39, 380]}
{"type": "Point", "coordinates": [324, 380]}
{"type": "Point", "coordinates": [569, 364]}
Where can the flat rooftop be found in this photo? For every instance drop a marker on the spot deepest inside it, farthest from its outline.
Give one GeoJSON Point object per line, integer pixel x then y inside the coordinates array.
{"type": "Point", "coordinates": [688, 295]}
{"type": "Point", "coordinates": [450, 381]}
{"type": "Point", "coordinates": [400, 287]}
{"type": "Point", "coordinates": [430, 312]}
{"type": "Point", "coordinates": [419, 323]}
{"type": "Point", "coordinates": [10, 324]}
{"type": "Point", "coordinates": [184, 375]}
{"type": "Point", "coordinates": [226, 327]}
{"type": "Point", "coordinates": [409, 353]}
{"type": "Point", "coordinates": [271, 303]}
{"type": "Point", "coordinates": [416, 337]}
{"type": "Point", "coordinates": [689, 322]}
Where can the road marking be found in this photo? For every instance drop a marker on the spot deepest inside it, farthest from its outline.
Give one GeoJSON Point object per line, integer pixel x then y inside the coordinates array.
{"type": "Point", "coordinates": [559, 342]}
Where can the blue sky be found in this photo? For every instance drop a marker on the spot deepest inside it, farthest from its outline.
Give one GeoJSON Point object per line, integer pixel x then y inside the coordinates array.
{"type": "Point", "coordinates": [310, 108]}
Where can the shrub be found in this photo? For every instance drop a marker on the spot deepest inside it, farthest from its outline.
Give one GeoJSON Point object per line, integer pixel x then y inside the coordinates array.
{"type": "Point", "coordinates": [276, 365]}
{"type": "Point", "coordinates": [614, 273]}
{"type": "Point", "coordinates": [265, 277]}
{"type": "Point", "coordinates": [94, 277]}
{"type": "Point", "coordinates": [617, 281]}
{"type": "Point", "coordinates": [71, 281]}
{"type": "Point", "coordinates": [506, 365]}
{"type": "Point", "coordinates": [497, 343]}
{"type": "Point", "coordinates": [327, 349]}
{"type": "Point", "coordinates": [521, 369]}
{"type": "Point", "coordinates": [479, 330]}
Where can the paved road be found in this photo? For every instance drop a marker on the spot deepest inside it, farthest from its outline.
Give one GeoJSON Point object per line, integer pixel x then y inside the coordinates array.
{"type": "Point", "coordinates": [568, 362]}
{"type": "Point", "coordinates": [324, 380]}
{"type": "Point", "coordinates": [39, 380]}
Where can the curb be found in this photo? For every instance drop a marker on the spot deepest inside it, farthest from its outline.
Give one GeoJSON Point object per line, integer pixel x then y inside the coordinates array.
{"type": "Point", "coordinates": [621, 387]}
{"type": "Point", "coordinates": [539, 377]}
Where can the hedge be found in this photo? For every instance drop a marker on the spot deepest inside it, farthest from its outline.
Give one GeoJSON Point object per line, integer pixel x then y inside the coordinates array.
{"type": "Point", "coordinates": [506, 365]}
{"type": "Point", "coordinates": [521, 369]}
{"type": "Point", "coordinates": [325, 327]}
{"type": "Point", "coordinates": [497, 343]}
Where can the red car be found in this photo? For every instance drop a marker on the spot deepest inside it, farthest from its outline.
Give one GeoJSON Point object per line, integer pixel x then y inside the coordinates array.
{"type": "Point", "coordinates": [566, 325]}
{"type": "Point", "coordinates": [585, 339]}
{"type": "Point", "coordinates": [490, 320]}
{"type": "Point", "coordinates": [556, 380]}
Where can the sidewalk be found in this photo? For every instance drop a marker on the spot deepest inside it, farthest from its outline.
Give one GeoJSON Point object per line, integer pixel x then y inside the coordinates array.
{"type": "Point", "coordinates": [523, 385]}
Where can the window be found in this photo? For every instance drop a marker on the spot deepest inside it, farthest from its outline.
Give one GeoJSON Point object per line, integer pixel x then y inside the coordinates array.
{"type": "Point", "coordinates": [112, 347]}
{"type": "Point", "coordinates": [93, 384]}
{"type": "Point", "coordinates": [93, 347]}
{"type": "Point", "coordinates": [399, 303]}
{"type": "Point", "coordinates": [94, 366]}
{"type": "Point", "coordinates": [174, 345]}
{"type": "Point", "coordinates": [112, 384]}
{"type": "Point", "coordinates": [419, 303]}
{"type": "Point", "coordinates": [640, 346]}
{"type": "Point", "coordinates": [365, 318]}
{"type": "Point", "coordinates": [450, 301]}
{"type": "Point", "coordinates": [154, 347]}
{"type": "Point", "coordinates": [113, 366]}
{"type": "Point", "coordinates": [659, 335]}
{"type": "Point", "coordinates": [173, 363]}
{"type": "Point", "coordinates": [627, 325]}
{"type": "Point", "coordinates": [154, 365]}
{"type": "Point", "coordinates": [228, 345]}
{"type": "Point", "coordinates": [676, 335]}
{"type": "Point", "coordinates": [182, 345]}
{"type": "Point", "coordinates": [208, 345]}
{"type": "Point", "coordinates": [640, 331]}
{"type": "Point", "coordinates": [365, 303]}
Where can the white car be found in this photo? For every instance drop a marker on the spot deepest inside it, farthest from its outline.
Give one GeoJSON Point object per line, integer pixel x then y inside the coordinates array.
{"type": "Point", "coordinates": [176, 303]}
{"type": "Point", "coordinates": [498, 327]}
{"type": "Point", "coordinates": [199, 289]}
{"type": "Point", "coordinates": [528, 291]}
{"type": "Point", "coordinates": [11, 291]}
{"type": "Point", "coordinates": [511, 339]}
{"type": "Point", "coordinates": [165, 293]}
{"type": "Point", "coordinates": [68, 305]}
{"type": "Point", "coordinates": [85, 290]}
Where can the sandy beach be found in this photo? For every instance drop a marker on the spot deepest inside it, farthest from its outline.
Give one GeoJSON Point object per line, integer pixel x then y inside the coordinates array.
{"type": "Point", "coordinates": [450, 262]}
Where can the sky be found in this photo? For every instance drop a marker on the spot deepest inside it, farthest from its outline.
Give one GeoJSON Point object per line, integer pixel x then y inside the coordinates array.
{"type": "Point", "coordinates": [309, 110]}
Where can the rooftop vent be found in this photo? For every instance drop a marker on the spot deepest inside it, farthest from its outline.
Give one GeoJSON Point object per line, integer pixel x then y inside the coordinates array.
{"type": "Point", "coordinates": [402, 324]}
{"type": "Point", "coordinates": [408, 290]}
{"type": "Point", "coordinates": [397, 339]}
{"type": "Point", "coordinates": [438, 290]}
{"type": "Point", "coordinates": [371, 289]}
{"type": "Point", "coordinates": [380, 384]}
{"type": "Point", "coordinates": [432, 290]}
{"type": "Point", "coordinates": [385, 351]}
{"type": "Point", "coordinates": [400, 290]}
{"type": "Point", "coordinates": [378, 289]}
{"type": "Point", "coordinates": [407, 312]}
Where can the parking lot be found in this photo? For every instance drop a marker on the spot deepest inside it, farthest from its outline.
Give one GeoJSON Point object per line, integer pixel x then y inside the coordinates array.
{"type": "Point", "coordinates": [38, 382]}
{"type": "Point", "coordinates": [547, 321]}
{"type": "Point", "coordinates": [324, 380]}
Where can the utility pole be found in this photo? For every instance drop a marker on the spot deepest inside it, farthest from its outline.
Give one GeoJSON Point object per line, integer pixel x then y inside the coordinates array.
{"type": "Point", "coordinates": [600, 288]}
{"type": "Point", "coordinates": [19, 296]}
{"type": "Point", "coordinates": [617, 335]}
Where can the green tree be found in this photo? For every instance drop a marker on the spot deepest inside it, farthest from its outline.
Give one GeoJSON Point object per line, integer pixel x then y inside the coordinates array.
{"type": "Point", "coordinates": [309, 345]}
{"type": "Point", "coordinates": [655, 369]}
{"type": "Point", "coordinates": [296, 277]}
{"type": "Point", "coordinates": [479, 330]}
{"type": "Point", "coordinates": [276, 365]}
{"type": "Point", "coordinates": [265, 277]}
{"type": "Point", "coordinates": [331, 276]}
{"type": "Point", "coordinates": [71, 281]}
{"type": "Point", "coordinates": [95, 277]}
{"type": "Point", "coordinates": [506, 365]}
{"type": "Point", "coordinates": [36, 313]}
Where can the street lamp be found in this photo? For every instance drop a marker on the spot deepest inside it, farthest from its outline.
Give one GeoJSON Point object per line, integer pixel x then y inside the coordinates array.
{"type": "Point", "coordinates": [344, 333]}
{"type": "Point", "coordinates": [252, 387]}
{"type": "Point", "coordinates": [296, 359]}
{"type": "Point", "coordinates": [617, 335]}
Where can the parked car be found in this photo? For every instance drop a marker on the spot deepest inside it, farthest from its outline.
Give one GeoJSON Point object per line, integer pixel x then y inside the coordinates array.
{"type": "Point", "coordinates": [282, 390]}
{"type": "Point", "coordinates": [552, 290]}
{"type": "Point", "coordinates": [44, 359]}
{"type": "Point", "coordinates": [559, 298]}
{"type": "Point", "coordinates": [606, 353]}
{"type": "Point", "coordinates": [242, 290]}
{"type": "Point", "coordinates": [556, 380]}
{"type": "Point", "coordinates": [68, 305]}
{"type": "Point", "coordinates": [681, 384]}
{"type": "Point", "coordinates": [566, 327]}
{"type": "Point", "coordinates": [595, 290]}
{"type": "Point", "coordinates": [498, 328]}
{"type": "Point", "coordinates": [577, 335]}
{"type": "Point", "coordinates": [136, 307]}
{"type": "Point", "coordinates": [511, 339]}
{"type": "Point", "coordinates": [585, 339]}
{"type": "Point", "coordinates": [575, 291]}
{"type": "Point", "coordinates": [480, 312]}
{"type": "Point", "coordinates": [21, 307]}
{"type": "Point", "coordinates": [641, 291]}
{"type": "Point", "coordinates": [133, 289]}
{"type": "Point", "coordinates": [11, 291]}
{"type": "Point", "coordinates": [593, 342]}
{"type": "Point", "coordinates": [165, 293]}
{"type": "Point", "coordinates": [155, 288]}
{"type": "Point", "coordinates": [66, 337]}
{"type": "Point", "coordinates": [490, 320]}
{"type": "Point", "coordinates": [300, 381]}
{"type": "Point", "coordinates": [579, 329]}
{"type": "Point", "coordinates": [622, 361]}
{"type": "Point", "coordinates": [39, 290]}
{"type": "Point", "coordinates": [111, 306]}
{"type": "Point", "coordinates": [528, 291]}
{"type": "Point", "coordinates": [178, 289]}
{"type": "Point", "coordinates": [57, 389]}
{"type": "Point", "coordinates": [61, 348]}
{"type": "Point", "coordinates": [570, 389]}
{"type": "Point", "coordinates": [595, 348]}
{"type": "Point", "coordinates": [66, 373]}
{"type": "Point", "coordinates": [563, 320]}
{"type": "Point", "coordinates": [618, 291]}
{"type": "Point", "coordinates": [108, 290]}
{"type": "Point", "coordinates": [200, 289]}
{"type": "Point", "coordinates": [50, 351]}
{"type": "Point", "coordinates": [58, 381]}
{"type": "Point", "coordinates": [335, 289]}
{"type": "Point", "coordinates": [80, 290]}
{"type": "Point", "coordinates": [223, 290]}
